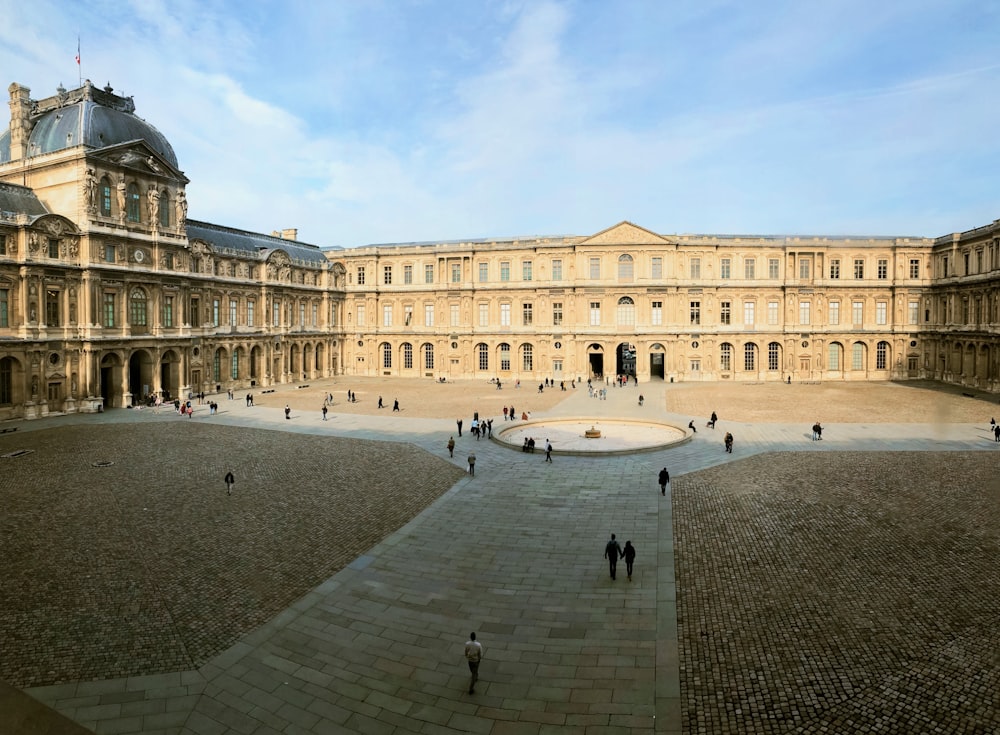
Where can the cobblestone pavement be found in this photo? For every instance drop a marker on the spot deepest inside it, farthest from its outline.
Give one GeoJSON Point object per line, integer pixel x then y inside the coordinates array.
{"type": "Point", "coordinates": [791, 587]}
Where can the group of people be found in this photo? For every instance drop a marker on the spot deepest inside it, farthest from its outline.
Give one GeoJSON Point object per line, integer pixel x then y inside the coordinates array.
{"type": "Point", "coordinates": [508, 413]}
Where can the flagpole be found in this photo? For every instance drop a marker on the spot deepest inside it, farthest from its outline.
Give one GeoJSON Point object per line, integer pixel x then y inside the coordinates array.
{"type": "Point", "coordinates": [79, 66]}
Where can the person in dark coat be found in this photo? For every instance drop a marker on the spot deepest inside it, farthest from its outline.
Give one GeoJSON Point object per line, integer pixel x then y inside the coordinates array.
{"type": "Point", "coordinates": [612, 550]}
{"type": "Point", "coordinates": [663, 479]}
{"type": "Point", "coordinates": [629, 554]}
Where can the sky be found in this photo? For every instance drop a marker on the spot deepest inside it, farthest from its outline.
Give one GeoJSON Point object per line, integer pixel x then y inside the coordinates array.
{"type": "Point", "coordinates": [388, 121]}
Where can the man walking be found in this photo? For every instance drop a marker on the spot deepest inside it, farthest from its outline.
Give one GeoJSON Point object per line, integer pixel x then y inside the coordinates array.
{"type": "Point", "coordinates": [459, 422]}
{"type": "Point", "coordinates": [288, 412]}
{"type": "Point", "coordinates": [324, 411]}
{"type": "Point", "coordinates": [230, 481]}
{"type": "Point", "coordinates": [473, 654]}
{"type": "Point", "coordinates": [472, 463]}
{"type": "Point", "coordinates": [612, 550]}
{"type": "Point", "coordinates": [663, 478]}
{"type": "Point", "coordinates": [548, 451]}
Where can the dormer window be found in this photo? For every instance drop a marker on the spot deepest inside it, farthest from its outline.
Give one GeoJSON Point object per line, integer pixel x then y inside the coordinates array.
{"type": "Point", "coordinates": [132, 203]}
{"type": "Point", "coordinates": [105, 197]}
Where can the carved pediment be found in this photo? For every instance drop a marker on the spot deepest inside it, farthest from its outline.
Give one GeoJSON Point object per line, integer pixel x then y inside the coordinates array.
{"type": "Point", "coordinates": [139, 157]}
{"type": "Point", "coordinates": [279, 258]}
{"type": "Point", "coordinates": [625, 233]}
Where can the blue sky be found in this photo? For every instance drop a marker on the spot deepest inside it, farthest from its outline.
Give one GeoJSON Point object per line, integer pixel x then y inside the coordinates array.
{"type": "Point", "coordinates": [373, 121]}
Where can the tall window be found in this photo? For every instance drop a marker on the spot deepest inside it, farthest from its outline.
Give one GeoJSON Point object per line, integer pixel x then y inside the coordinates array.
{"type": "Point", "coordinates": [859, 268]}
{"type": "Point", "coordinates": [132, 206]}
{"type": "Point", "coordinates": [108, 310]}
{"type": "Point", "coordinates": [6, 381]}
{"type": "Point", "coordinates": [52, 311]}
{"type": "Point", "coordinates": [834, 356]}
{"type": "Point", "coordinates": [164, 208]}
{"type": "Point", "coordinates": [53, 247]}
{"type": "Point", "coordinates": [137, 308]}
{"type": "Point", "coordinates": [725, 312]}
{"type": "Point", "coordinates": [315, 315]}
{"type": "Point", "coordinates": [626, 268]}
{"type": "Point", "coordinates": [217, 365]}
{"type": "Point", "coordinates": [750, 356]}
{"type": "Point", "coordinates": [773, 312]}
{"type": "Point", "coordinates": [428, 274]}
{"type": "Point", "coordinates": [505, 357]}
{"type": "Point", "coordinates": [386, 315]}
{"type": "Point", "coordinates": [504, 270]}
{"type": "Point", "coordinates": [656, 267]}
{"type": "Point", "coordinates": [834, 313]}
{"type": "Point", "coordinates": [695, 268]}
{"type": "Point", "coordinates": [428, 356]}
{"type": "Point", "coordinates": [454, 312]}
{"type": "Point", "coordinates": [835, 269]}
{"type": "Point", "coordinates": [773, 356]}
{"type": "Point", "coordinates": [657, 313]}
{"type": "Point", "coordinates": [361, 275]}
{"type": "Point", "coordinates": [804, 307]}
{"type": "Point", "coordinates": [251, 306]}
{"type": "Point", "coordinates": [804, 269]}
{"type": "Point", "coordinates": [749, 269]}
{"type": "Point", "coordinates": [857, 313]}
{"type": "Point", "coordinates": [456, 272]}
{"type": "Point", "coordinates": [276, 314]}
{"type": "Point", "coordinates": [105, 197]}
{"type": "Point", "coordinates": [725, 268]}
{"type": "Point", "coordinates": [215, 313]}
{"type": "Point", "coordinates": [195, 316]}
{"type": "Point", "coordinates": [407, 274]}
{"type": "Point", "coordinates": [527, 314]}
{"type": "Point", "coordinates": [557, 270]}
{"type": "Point", "coordinates": [595, 269]}
{"type": "Point", "coordinates": [407, 315]}
{"type": "Point", "coordinates": [749, 316]}
{"type": "Point", "coordinates": [773, 268]}
{"type": "Point", "coordinates": [234, 368]}
{"type": "Point", "coordinates": [557, 313]}
{"type": "Point", "coordinates": [362, 317]}
{"type": "Point", "coordinates": [484, 272]}
{"type": "Point", "coordinates": [504, 315]}
{"type": "Point", "coordinates": [484, 356]}
{"type": "Point", "coordinates": [857, 356]}
{"type": "Point", "coordinates": [386, 355]}
{"type": "Point", "coordinates": [882, 269]}
{"type": "Point", "coordinates": [526, 270]}
{"type": "Point", "coordinates": [726, 357]}
{"type": "Point", "coordinates": [914, 268]}
{"type": "Point", "coordinates": [428, 315]}
{"type": "Point", "coordinates": [626, 312]}
{"type": "Point", "coordinates": [882, 356]}
{"type": "Point", "coordinates": [527, 358]}
{"type": "Point", "coordinates": [913, 312]}
{"type": "Point", "coordinates": [595, 313]}
{"type": "Point", "coordinates": [407, 356]}
{"type": "Point", "coordinates": [233, 306]}
{"type": "Point", "coordinates": [695, 310]}
{"type": "Point", "coordinates": [881, 312]}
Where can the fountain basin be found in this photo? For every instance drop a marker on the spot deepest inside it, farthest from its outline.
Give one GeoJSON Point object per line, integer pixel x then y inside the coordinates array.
{"type": "Point", "coordinates": [590, 436]}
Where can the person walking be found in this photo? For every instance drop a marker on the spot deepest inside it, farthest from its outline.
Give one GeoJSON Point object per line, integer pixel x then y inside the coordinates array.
{"type": "Point", "coordinates": [395, 404]}
{"type": "Point", "coordinates": [711, 421]}
{"type": "Point", "coordinates": [230, 481]}
{"type": "Point", "coordinates": [548, 451]}
{"type": "Point", "coordinates": [324, 411]}
{"type": "Point", "coordinates": [473, 654]}
{"type": "Point", "coordinates": [663, 479]}
{"type": "Point", "coordinates": [380, 402]}
{"type": "Point", "coordinates": [472, 463]}
{"type": "Point", "coordinates": [451, 446]}
{"type": "Point", "coordinates": [729, 442]}
{"type": "Point", "coordinates": [459, 422]}
{"type": "Point", "coordinates": [288, 412]}
{"type": "Point", "coordinates": [612, 550]}
{"type": "Point", "coordinates": [629, 554]}
{"type": "Point", "coordinates": [996, 432]}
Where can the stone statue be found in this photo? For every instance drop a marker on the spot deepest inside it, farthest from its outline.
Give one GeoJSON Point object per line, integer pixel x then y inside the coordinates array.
{"type": "Point", "coordinates": [121, 198]}
{"type": "Point", "coordinates": [153, 196]}
{"type": "Point", "coordinates": [182, 208]}
{"type": "Point", "coordinates": [90, 189]}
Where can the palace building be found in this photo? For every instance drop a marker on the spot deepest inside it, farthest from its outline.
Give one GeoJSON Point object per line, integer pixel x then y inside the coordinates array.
{"type": "Point", "coordinates": [110, 295]}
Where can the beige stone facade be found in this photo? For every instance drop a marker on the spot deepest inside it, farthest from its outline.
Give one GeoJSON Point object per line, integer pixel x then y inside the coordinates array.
{"type": "Point", "coordinates": [110, 296]}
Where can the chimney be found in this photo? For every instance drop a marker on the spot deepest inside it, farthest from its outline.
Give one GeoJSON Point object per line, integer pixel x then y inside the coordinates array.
{"type": "Point", "coordinates": [292, 233]}
{"type": "Point", "coordinates": [20, 120]}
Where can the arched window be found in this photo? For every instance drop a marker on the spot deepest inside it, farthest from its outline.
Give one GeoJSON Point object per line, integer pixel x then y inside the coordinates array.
{"type": "Point", "coordinates": [749, 356]}
{"type": "Point", "coordinates": [6, 381]}
{"type": "Point", "coordinates": [626, 268]}
{"type": "Point", "coordinates": [835, 355]}
{"type": "Point", "coordinates": [217, 365]}
{"type": "Point", "coordinates": [132, 203]}
{"type": "Point", "coordinates": [626, 312]}
{"type": "Point", "coordinates": [164, 208]}
{"type": "Point", "coordinates": [484, 356]}
{"type": "Point", "coordinates": [505, 357]}
{"type": "Point", "coordinates": [386, 355]}
{"type": "Point", "coordinates": [137, 308]}
{"type": "Point", "coordinates": [234, 367]}
{"type": "Point", "coordinates": [726, 357]}
{"type": "Point", "coordinates": [858, 356]}
{"type": "Point", "coordinates": [773, 356]}
{"type": "Point", "coordinates": [105, 194]}
{"type": "Point", "coordinates": [527, 358]}
{"type": "Point", "coordinates": [882, 356]}
{"type": "Point", "coordinates": [428, 349]}
{"type": "Point", "coordinates": [407, 356]}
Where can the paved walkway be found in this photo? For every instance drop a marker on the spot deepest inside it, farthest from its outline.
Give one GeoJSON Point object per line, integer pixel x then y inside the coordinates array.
{"type": "Point", "coordinates": [513, 553]}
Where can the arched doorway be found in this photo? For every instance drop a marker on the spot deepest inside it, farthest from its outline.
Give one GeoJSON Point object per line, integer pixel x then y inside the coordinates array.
{"type": "Point", "coordinates": [595, 358]}
{"type": "Point", "coordinates": [140, 376]}
{"type": "Point", "coordinates": [170, 375]}
{"type": "Point", "coordinates": [657, 359]}
{"type": "Point", "coordinates": [111, 380]}
{"type": "Point", "coordinates": [625, 359]}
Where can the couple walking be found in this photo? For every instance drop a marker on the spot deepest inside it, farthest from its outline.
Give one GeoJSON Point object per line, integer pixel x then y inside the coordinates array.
{"type": "Point", "coordinates": [613, 550]}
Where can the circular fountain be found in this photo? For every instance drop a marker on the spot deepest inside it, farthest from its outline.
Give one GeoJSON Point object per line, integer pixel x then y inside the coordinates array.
{"type": "Point", "coordinates": [587, 436]}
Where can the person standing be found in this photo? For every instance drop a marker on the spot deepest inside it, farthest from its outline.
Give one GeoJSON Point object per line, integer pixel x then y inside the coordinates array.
{"type": "Point", "coordinates": [729, 442]}
{"type": "Point", "coordinates": [288, 412]}
{"type": "Point", "coordinates": [459, 422]}
{"type": "Point", "coordinates": [996, 432]}
{"type": "Point", "coordinates": [612, 550]}
{"type": "Point", "coordinates": [548, 451]}
{"type": "Point", "coordinates": [472, 463]}
{"type": "Point", "coordinates": [230, 481]}
{"type": "Point", "coordinates": [451, 446]}
{"type": "Point", "coordinates": [473, 654]}
{"type": "Point", "coordinates": [711, 421]}
{"type": "Point", "coordinates": [663, 478]}
{"type": "Point", "coordinates": [324, 411]}
{"type": "Point", "coordinates": [629, 554]}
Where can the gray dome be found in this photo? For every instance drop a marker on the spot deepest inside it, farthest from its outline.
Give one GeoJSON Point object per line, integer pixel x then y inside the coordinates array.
{"type": "Point", "coordinates": [89, 117]}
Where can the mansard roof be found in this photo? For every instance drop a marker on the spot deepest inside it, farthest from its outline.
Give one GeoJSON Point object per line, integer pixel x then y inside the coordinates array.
{"type": "Point", "coordinates": [19, 200]}
{"type": "Point", "coordinates": [253, 244]}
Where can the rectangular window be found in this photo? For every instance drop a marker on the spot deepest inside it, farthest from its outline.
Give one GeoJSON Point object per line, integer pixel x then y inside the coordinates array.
{"type": "Point", "coordinates": [195, 317]}
{"type": "Point", "coordinates": [216, 315]}
{"type": "Point", "coordinates": [53, 247]}
{"type": "Point", "coordinates": [726, 312]}
{"type": "Point", "coordinates": [108, 308]}
{"type": "Point", "coordinates": [233, 305]}
{"type": "Point", "coordinates": [773, 268]}
{"type": "Point", "coordinates": [504, 270]}
{"type": "Point", "coordinates": [725, 268]}
{"type": "Point", "coordinates": [527, 314]}
{"type": "Point", "coordinates": [657, 314]}
{"type": "Point", "coordinates": [428, 315]}
{"type": "Point", "coordinates": [979, 261]}
{"type": "Point", "coordinates": [276, 314]}
{"type": "Point", "coordinates": [881, 312]}
{"type": "Point", "coordinates": [408, 315]}
{"type": "Point", "coordinates": [883, 269]}
{"type": "Point", "coordinates": [428, 274]}
{"type": "Point", "coordinates": [251, 308]}
{"type": "Point", "coordinates": [504, 315]}
{"type": "Point", "coordinates": [804, 269]}
{"type": "Point", "coordinates": [595, 313]}
{"type": "Point", "coordinates": [773, 312]}
{"type": "Point", "coordinates": [456, 272]}
{"type": "Point", "coordinates": [750, 269]}
{"type": "Point", "coordinates": [804, 308]}
{"type": "Point", "coordinates": [695, 268]}
{"type": "Point", "coordinates": [526, 270]}
{"type": "Point", "coordinates": [656, 267]}
{"type": "Point", "coordinates": [484, 314]}
{"type": "Point", "coordinates": [749, 316]}
{"type": "Point", "coordinates": [913, 312]}
{"type": "Point", "coordinates": [407, 274]}
{"type": "Point", "coordinates": [834, 318]}
{"type": "Point", "coordinates": [557, 270]}
{"type": "Point", "coordinates": [315, 315]}
{"type": "Point", "coordinates": [362, 317]}
{"type": "Point", "coordinates": [835, 269]}
{"type": "Point", "coordinates": [361, 275]}
{"type": "Point", "coordinates": [595, 269]}
{"type": "Point", "coordinates": [944, 266]}
{"type": "Point", "coordinates": [695, 366]}
{"type": "Point", "coordinates": [386, 315]}
{"type": "Point", "coordinates": [109, 254]}
{"type": "Point", "coordinates": [484, 272]}
{"type": "Point", "coordinates": [454, 314]}
{"type": "Point", "coordinates": [695, 311]}
{"type": "Point", "coordinates": [168, 311]}
{"type": "Point", "coordinates": [556, 313]}
{"type": "Point", "coordinates": [857, 313]}
{"type": "Point", "coordinates": [914, 268]}
{"type": "Point", "coordinates": [859, 268]}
